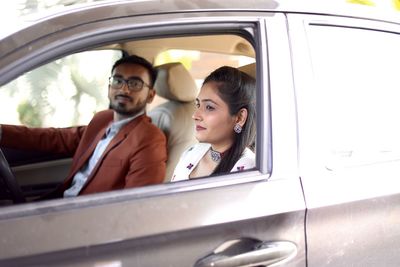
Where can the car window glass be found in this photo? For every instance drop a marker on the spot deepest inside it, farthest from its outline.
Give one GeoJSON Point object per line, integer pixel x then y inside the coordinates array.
{"type": "Point", "coordinates": [354, 106]}
{"type": "Point", "coordinates": [62, 93]}
{"type": "Point", "coordinates": [68, 91]}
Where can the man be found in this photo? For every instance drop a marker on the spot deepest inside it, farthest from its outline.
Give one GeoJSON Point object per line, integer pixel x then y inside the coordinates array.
{"type": "Point", "coordinates": [120, 148]}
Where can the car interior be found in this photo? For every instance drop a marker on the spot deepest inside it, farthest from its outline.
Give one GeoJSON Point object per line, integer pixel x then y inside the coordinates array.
{"type": "Point", "coordinates": [182, 63]}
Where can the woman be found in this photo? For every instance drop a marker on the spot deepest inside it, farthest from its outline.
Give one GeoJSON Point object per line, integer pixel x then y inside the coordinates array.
{"type": "Point", "coordinates": [225, 126]}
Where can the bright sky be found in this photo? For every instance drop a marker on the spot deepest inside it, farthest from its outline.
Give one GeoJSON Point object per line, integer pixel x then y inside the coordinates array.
{"type": "Point", "coordinates": [8, 16]}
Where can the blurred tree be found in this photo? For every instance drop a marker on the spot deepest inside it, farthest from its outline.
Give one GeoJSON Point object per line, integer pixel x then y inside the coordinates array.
{"type": "Point", "coordinates": [28, 114]}
{"type": "Point", "coordinates": [37, 106]}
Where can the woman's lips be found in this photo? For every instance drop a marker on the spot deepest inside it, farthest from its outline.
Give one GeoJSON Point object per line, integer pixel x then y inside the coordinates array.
{"type": "Point", "coordinates": [199, 128]}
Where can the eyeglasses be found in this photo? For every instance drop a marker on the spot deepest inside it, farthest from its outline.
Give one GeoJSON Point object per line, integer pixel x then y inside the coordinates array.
{"type": "Point", "coordinates": [134, 84]}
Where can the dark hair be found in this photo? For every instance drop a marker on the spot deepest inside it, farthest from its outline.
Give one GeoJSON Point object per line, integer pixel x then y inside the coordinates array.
{"type": "Point", "coordinates": [237, 89]}
{"type": "Point", "coordinates": [133, 59]}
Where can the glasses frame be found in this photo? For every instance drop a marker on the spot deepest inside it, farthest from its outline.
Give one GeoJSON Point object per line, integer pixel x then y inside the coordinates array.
{"type": "Point", "coordinates": [126, 81]}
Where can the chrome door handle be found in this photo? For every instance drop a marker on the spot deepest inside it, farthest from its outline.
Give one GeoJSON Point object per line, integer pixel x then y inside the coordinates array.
{"type": "Point", "coordinates": [248, 252]}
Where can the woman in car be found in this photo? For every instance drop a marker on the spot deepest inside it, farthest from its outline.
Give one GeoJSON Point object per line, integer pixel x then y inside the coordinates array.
{"type": "Point", "coordinates": [225, 126]}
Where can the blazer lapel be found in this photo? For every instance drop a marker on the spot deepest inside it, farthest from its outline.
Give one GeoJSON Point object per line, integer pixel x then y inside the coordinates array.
{"type": "Point", "coordinates": [121, 135]}
{"type": "Point", "coordinates": [82, 160]}
{"type": "Point", "coordinates": [86, 155]}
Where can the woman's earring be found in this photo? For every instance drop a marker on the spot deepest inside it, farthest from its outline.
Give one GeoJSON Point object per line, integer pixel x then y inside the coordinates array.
{"type": "Point", "coordinates": [237, 128]}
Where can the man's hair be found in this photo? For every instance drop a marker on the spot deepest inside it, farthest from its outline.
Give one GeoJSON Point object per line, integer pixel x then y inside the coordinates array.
{"type": "Point", "coordinates": [133, 59]}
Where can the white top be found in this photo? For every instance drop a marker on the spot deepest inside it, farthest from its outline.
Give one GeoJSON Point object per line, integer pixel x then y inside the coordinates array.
{"type": "Point", "coordinates": [191, 157]}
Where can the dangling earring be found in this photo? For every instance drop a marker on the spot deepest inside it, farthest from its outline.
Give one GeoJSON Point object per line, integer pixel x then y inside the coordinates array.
{"type": "Point", "coordinates": [237, 128]}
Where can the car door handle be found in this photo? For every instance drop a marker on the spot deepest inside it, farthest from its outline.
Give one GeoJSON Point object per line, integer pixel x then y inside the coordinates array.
{"type": "Point", "coordinates": [248, 252]}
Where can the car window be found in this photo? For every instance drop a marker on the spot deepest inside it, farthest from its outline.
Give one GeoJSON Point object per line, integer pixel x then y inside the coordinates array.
{"type": "Point", "coordinates": [354, 103]}
{"type": "Point", "coordinates": [70, 90]}
{"type": "Point", "coordinates": [62, 93]}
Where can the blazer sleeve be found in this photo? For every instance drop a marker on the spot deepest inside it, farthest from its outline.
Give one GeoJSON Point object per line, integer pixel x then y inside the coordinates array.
{"type": "Point", "coordinates": [56, 140]}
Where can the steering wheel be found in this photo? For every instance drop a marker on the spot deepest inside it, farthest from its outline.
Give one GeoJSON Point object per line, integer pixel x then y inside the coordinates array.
{"type": "Point", "coordinates": [8, 179]}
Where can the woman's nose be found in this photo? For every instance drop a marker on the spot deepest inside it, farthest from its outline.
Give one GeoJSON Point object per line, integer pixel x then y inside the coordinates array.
{"type": "Point", "coordinates": [196, 115]}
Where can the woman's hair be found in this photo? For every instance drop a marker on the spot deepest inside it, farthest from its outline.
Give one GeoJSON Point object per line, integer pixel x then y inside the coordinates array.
{"type": "Point", "coordinates": [237, 90]}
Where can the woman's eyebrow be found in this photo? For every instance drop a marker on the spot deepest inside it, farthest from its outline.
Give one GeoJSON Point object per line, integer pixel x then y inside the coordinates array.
{"type": "Point", "coordinates": [207, 100]}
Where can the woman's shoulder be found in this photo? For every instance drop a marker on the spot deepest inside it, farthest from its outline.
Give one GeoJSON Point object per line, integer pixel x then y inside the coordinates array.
{"type": "Point", "coordinates": [195, 148]}
{"type": "Point", "coordinates": [189, 160]}
{"type": "Point", "coordinates": [247, 161]}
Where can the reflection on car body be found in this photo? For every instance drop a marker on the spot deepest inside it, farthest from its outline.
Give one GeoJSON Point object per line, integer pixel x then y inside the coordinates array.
{"type": "Point", "coordinates": [324, 192]}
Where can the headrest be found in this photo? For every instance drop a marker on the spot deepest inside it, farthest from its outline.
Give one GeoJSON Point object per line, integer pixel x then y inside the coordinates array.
{"type": "Point", "coordinates": [174, 82]}
{"type": "Point", "coordinates": [249, 69]}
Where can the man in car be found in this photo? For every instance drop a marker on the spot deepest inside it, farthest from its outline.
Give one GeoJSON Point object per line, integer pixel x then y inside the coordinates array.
{"type": "Point", "coordinates": [119, 148]}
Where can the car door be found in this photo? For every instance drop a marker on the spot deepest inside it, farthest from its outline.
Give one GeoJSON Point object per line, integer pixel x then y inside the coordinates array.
{"type": "Point", "coordinates": [240, 219]}
{"type": "Point", "coordinates": [348, 137]}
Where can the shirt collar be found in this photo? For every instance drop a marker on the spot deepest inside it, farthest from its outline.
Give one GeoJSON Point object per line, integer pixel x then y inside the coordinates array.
{"type": "Point", "coordinates": [116, 126]}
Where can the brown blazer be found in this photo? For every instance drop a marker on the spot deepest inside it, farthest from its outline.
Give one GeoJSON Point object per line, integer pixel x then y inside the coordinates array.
{"type": "Point", "coordinates": [135, 157]}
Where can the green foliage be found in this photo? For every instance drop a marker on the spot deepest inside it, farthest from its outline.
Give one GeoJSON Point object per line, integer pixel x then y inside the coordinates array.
{"type": "Point", "coordinates": [29, 115]}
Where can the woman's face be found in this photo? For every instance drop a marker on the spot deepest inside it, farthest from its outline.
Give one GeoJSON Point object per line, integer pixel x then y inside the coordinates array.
{"type": "Point", "coordinates": [214, 124]}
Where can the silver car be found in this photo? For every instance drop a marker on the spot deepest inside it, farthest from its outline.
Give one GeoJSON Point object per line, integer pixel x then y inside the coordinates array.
{"type": "Point", "coordinates": [326, 189]}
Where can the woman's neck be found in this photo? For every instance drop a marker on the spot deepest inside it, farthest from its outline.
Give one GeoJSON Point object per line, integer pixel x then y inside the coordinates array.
{"type": "Point", "coordinates": [221, 148]}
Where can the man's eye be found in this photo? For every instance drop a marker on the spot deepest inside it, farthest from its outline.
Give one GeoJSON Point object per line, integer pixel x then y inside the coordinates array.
{"type": "Point", "coordinates": [117, 81]}
{"type": "Point", "coordinates": [134, 83]}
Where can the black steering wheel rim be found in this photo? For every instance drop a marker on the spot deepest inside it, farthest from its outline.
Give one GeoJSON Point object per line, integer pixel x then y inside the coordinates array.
{"type": "Point", "coordinates": [10, 181]}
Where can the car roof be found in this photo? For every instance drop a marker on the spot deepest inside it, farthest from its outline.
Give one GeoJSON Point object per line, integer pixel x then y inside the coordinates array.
{"type": "Point", "coordinates": [96, 11]}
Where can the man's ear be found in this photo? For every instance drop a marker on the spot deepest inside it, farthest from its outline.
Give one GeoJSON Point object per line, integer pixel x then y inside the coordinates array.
{"type": "Point", "coordinates": [241, 116]}
{"type": "Point", "coordinates": [151, 95]}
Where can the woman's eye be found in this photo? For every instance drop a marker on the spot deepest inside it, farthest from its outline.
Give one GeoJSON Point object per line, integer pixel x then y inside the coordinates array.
{"type": "Point", "coordinates": [208, 107]}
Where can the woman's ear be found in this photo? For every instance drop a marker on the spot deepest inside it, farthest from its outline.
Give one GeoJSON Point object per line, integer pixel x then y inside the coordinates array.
{"type": "Point", "coordinates": [241, 117]}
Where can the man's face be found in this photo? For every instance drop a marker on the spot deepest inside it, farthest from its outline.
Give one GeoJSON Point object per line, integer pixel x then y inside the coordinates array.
{"type": "Point", "coordinates": [127, 102]}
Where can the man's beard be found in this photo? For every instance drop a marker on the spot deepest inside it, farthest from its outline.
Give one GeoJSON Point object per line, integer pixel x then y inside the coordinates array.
{"type": "Point", "coordinates": [122, 110]}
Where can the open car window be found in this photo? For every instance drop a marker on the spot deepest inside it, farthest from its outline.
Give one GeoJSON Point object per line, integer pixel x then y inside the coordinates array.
{"type": "Point", "coordinates": [62, 93]}
{"type": "Point", "coordinates": [68, 91]}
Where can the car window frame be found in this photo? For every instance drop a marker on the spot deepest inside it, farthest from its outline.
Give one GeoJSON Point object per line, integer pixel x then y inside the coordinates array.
{"type": "Point", "coordinates": [248, 25]}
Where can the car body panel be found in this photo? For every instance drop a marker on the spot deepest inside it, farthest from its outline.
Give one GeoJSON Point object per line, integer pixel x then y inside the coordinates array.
{"type": "Point", "coordinates": [352, 205]}
{"type": "Point", "coordinates": [65, 226]}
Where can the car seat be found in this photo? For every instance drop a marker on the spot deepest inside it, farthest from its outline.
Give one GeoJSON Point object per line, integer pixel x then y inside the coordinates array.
{"type": "Point", "coordinates": [249, 69]}
{"type": "Point", "coordinates": [174, 117]}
